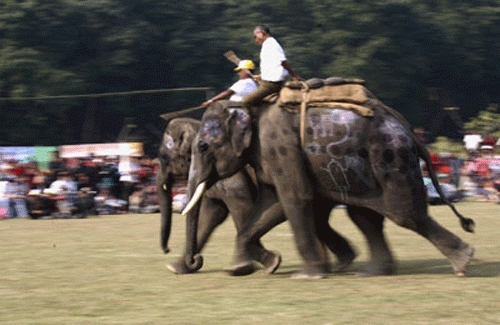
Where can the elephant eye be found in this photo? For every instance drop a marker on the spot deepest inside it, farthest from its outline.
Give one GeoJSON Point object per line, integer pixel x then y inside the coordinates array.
{"type": "Point", "coordinates": [202, 146]}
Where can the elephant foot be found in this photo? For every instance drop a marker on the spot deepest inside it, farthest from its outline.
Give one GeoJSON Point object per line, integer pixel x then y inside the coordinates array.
{"type": "Point", "coordinates": [344, 263]}
{"type": "Point", "coordinates": [462, 259]}
{"type": "Point", "coordinates": [313, 272]}
{"type": "Point", "coordinates": [241, 269]}
{"type": "Point", "coordinates": [379, 270]}
{"type": "Point", "coordinates": [271, 261]}
{"type": "Point", "coordinates": [180, 267]}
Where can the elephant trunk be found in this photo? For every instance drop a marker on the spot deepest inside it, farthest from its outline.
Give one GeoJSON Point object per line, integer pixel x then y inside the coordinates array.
{"type": "Point", "coordinates": [165, 202]}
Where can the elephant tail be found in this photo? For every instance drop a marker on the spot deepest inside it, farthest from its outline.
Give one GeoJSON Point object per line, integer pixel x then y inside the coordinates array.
{"type": "Point", "coordinates": [466, 223]}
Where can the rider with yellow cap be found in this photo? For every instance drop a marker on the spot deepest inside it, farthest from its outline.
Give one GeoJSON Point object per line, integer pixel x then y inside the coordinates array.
{"type": "Point", "coordinates": [244, 86]}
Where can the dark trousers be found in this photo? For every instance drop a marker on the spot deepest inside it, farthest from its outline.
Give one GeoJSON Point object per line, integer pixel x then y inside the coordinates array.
{"type": "Point", "coordinates": [265, 88]}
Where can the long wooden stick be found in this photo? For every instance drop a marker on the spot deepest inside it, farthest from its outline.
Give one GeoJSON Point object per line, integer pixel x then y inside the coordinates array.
{"type": "Point", "coordinates": [231, 56]}
{"type": "Point", "coordinates": [168, 116]}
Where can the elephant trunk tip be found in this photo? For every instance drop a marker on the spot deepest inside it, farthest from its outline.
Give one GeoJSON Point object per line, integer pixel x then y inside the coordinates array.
{"type": "Point", "coordinates": [166, 250]}
{"type": "Point", "coordinates": [194, 263]}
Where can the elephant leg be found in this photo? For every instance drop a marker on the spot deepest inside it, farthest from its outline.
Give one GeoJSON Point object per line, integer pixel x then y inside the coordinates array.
{"type": "Point", "coordinates": [371, 225]}
{"type": "Point", "coordinates": [254, 248]}
{"type": "Point", "coordinates": [337, 244]}
{"type": "Point", "coordinates": [407, 207]}
{"type": "Point", "coordinates": [458, 252]}
{"type": "Point", "coordinates": [301, 217]}
{"type": "Point", "coordinates": [265, 215]}
{"type": "Point", "coordinates": [212, 214]}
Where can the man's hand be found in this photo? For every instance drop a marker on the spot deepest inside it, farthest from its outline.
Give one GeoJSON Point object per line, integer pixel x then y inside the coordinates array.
{"type": "Point", "coordinates": [256, 77]}
{"type": "Point", "coordinates": [294, 76]}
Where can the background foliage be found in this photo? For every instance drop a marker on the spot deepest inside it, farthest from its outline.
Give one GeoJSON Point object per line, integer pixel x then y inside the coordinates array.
{"type": "Point", "coordinates": [417, 56]}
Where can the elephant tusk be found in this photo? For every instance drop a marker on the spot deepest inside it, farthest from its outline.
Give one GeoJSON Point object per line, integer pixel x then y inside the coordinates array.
{"type": "Point", "coordinates": [196, 197]}
{"type": "Point", "coordinates": [164, 186]}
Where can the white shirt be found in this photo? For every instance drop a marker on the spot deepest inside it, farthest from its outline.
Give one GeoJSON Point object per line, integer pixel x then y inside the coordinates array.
{"type": "Point", "coordinates": [241, 88]}
{"type": "Point", "coordinates": [62, 186]}
{"type": "Point", "coordinates": [472, 141]}
{"type": "Point", "coordinates": [271, 57]}
{"type": "Point", "coordinates": [127, 169]}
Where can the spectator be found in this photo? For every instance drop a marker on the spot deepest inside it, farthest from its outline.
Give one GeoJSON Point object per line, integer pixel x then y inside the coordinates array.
{"type": "Point", "coordinates": [16, 191]}
{"type": "Point", "coordinates": [467, 186]}
{"type": "Point", "coordinates": [107, 203]}
{"type": "Point", "coordinates": [488, 143]}
{"type": "Point", "coordinates": [90, 167]}
{"type": "Point", "coordinates": [56, 165]}
{"type": "Point", "coordinates": [455, 164]}
{"type": "Point", "coordinates": [63, 191]}
{"type": "Point", "coordinates": [472, 141]}
{"type": "Point", "coordinates": [486, 191]}
{"type": "Point", "coordinates": [128, 169]}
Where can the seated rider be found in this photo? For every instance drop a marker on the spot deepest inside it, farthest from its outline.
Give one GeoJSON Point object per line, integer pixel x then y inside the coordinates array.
{"type": "Point", "coordinates": [274, 67]}
{"type": "Point", "coordinates": [244, 86]}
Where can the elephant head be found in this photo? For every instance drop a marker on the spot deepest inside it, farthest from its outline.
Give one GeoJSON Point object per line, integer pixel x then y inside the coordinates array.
{"type": "Point", "coordinates": [175, 159]}
{"type": "Point", "coordinates": [219, 148]}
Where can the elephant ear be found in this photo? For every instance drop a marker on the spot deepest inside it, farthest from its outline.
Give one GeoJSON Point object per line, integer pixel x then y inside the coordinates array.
{"type": "Point", "coordinates": [240, 124]}
{"type": "Point", "coordinates": [186, 138]}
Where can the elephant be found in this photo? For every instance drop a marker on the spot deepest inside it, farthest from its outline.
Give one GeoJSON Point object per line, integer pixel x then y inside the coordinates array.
{"type": "Point", "coordinates": [368, 163]}
{"type": "Point", "coordinates": [234, 195]}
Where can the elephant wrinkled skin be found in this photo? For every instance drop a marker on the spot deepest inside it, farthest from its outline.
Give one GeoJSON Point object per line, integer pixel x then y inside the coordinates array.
{"type": "Point", "coordinates": [234, 195]}
{"type": "Point", "coordinates": [369, 164]}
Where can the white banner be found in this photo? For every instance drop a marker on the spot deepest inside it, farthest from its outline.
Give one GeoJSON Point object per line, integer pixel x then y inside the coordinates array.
{"type": "Point", "coordinates": [101, 149]}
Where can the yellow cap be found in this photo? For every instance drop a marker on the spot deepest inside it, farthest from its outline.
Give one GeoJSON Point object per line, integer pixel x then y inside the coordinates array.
{"type": "Point", "coordinates": [245, 64]}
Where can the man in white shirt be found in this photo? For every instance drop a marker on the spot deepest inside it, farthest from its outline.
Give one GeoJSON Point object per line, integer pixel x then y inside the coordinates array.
{"type": "Point", "coordinates": [64, 184]}
{"type": "Point", "coordinates": [244, 86]}
{"type": "Point", "coordinates": [472, 141]}
{"type": "Point", "coordinates": [274, 67]}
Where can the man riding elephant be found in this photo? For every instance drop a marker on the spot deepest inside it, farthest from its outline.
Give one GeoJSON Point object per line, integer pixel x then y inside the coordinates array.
{"type": "Point", "coordinates": [274, 67]}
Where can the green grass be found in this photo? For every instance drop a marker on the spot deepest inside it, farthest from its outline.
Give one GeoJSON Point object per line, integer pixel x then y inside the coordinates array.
{"type": "Point", "coordinates": [110, 270]}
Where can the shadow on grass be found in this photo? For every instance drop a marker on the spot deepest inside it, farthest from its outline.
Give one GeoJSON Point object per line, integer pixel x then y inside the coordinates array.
{"type": "Point", "coordinates": [476, 269]}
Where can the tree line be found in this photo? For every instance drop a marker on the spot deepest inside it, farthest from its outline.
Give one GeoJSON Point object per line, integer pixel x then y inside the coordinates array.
{"type": "Point", "coordinates": [416, 56]}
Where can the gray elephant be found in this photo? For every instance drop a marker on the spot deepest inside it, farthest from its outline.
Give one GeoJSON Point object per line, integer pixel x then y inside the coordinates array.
{"type": "Point", "coordinates": [234, 195]}
{"type": "Point", "coordinates": [369, 163]}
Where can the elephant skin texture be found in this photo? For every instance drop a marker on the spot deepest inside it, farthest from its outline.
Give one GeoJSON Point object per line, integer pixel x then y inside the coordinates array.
{"type": "Point", "coordinates": [368, 163]}
{"type": "Point", "coordinates": [234, 195]}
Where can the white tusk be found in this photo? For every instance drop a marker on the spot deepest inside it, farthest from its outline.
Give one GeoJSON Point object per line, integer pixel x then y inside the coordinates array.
{"type": "Point", "coordinates": [164, 186]}
{"type": "Point", "coordinates": [196, 197]}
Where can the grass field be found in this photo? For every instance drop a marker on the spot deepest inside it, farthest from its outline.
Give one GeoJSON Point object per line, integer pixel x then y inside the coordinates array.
{"type": "Point", "coordinates": [110, 270]}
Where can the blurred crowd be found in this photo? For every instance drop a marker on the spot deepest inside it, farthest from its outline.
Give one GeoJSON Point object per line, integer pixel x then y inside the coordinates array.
{"type": "Point", "coordinates": [474, 176]}
{"type": "Point", "coordinates": [78, 187]}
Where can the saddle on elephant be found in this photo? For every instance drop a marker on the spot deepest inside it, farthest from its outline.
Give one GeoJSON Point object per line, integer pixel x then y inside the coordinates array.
{"type": "Point", "coordinates": [334, 92]}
